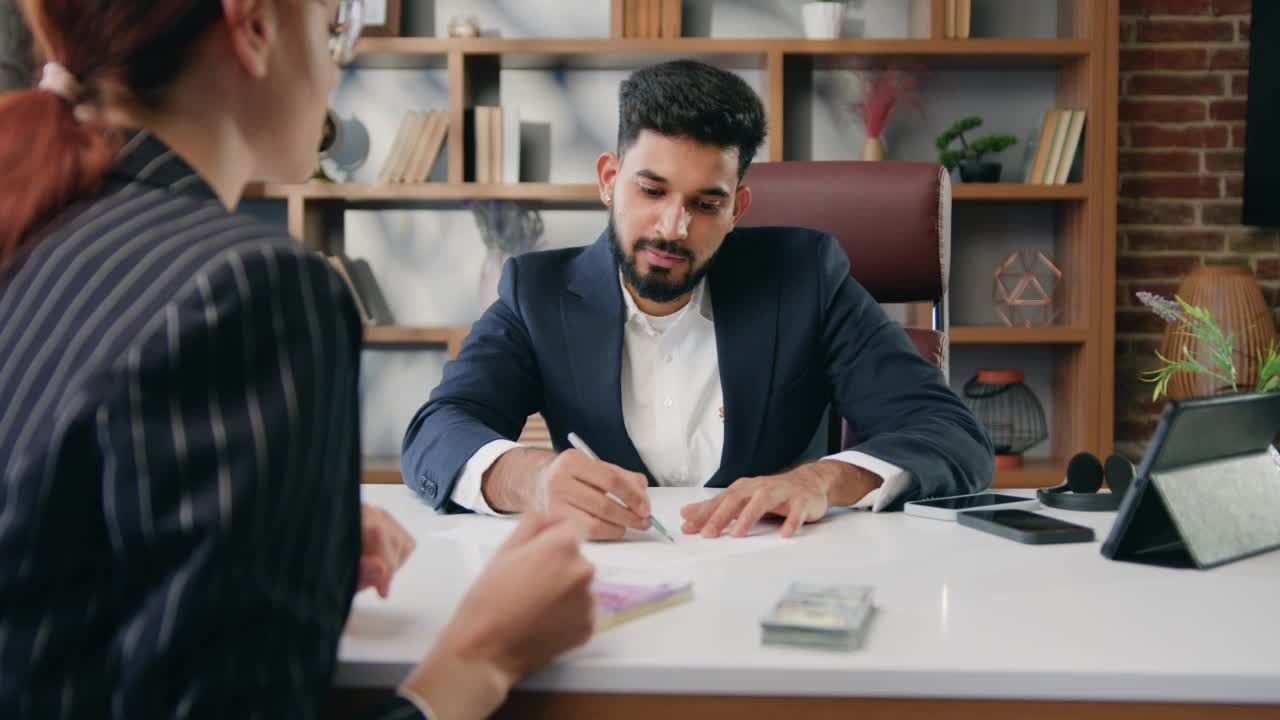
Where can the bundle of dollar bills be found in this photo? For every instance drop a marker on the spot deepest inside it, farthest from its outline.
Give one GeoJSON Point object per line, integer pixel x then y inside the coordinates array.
{"type": "Point", "coordinates": [833, 617]}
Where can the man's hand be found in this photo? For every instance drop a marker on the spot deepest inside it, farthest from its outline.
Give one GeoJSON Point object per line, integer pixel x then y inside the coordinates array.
{"type": "Point", "coordinates": [384, 547]}
{"type": "Point", "coordinates": [570, 485]}
{"type": "Point", "coordinates": [801, 495]}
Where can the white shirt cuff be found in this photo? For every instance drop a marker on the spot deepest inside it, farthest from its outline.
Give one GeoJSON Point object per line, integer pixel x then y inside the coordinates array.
{"type": "Point", "coordinates": [895, 479]}
{"type": "Point", "coordinates": [468, 492]}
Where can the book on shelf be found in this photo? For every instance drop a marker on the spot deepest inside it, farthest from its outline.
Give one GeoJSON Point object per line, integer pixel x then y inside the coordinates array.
{"type": "Point", "coordinates": [403, 155]}
{"type": "Point", "coordinates": [964, 10]}
{"type": "Point", "coordinates": [671, 18]}
{"type": "Point", "coordinates": [384, 175]}
{"type": "Point", "coordinates": [483, 143]}
{"type": "Point", "coordinates": [1070, 154]}
{"type": "Point", "coordinates": [949, 19]}
{"type": "Point", "coordinates": [340, 267]}
{"type": "Point", "coordinates": [1058, 149]}
{"type": "Point", "coordinates": [920, 19]}
{"type": "Point", "coordinates": [369, 291]}
{"type": "Point", "coordinates": [365, 291]}
{"type": "Point", "coordinates": [511, 145]}
{"type": "Point", "coordinates": [495, 141]}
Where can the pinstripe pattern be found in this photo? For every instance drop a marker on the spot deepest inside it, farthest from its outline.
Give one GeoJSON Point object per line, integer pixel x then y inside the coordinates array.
{"type": "Point", "coordinates": [179, 510]}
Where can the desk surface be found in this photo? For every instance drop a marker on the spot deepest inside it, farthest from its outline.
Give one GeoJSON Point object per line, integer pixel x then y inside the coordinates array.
{"type": "Point", "coordinates": [962, 614]}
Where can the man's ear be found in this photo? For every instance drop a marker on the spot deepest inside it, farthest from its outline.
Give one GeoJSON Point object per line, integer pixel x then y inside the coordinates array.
{"type": "Point", "coordinates": [741, 201]}
{"type": "Point", "coordinates": [606, 173]}
{"type": "Point", "coordinates": [251, 27]}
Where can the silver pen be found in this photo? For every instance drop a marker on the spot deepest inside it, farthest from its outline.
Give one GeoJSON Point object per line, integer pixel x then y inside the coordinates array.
{"type": "Point", "coordinates": [581, 444]}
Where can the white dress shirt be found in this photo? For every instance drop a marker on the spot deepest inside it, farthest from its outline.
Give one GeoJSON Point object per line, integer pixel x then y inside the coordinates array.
{"type": "Point", "coordinates": [673, 407]}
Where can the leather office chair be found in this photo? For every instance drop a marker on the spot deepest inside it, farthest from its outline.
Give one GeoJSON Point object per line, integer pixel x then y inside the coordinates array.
{"type": "Point", "coordinates": [893, 220]}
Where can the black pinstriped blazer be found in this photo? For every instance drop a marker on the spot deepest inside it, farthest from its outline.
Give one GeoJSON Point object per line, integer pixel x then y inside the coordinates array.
{"type": "Point", "coordinates": [179, 509]}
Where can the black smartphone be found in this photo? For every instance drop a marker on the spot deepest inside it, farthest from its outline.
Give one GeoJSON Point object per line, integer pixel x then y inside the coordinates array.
{"type": "Point", "coordinates": [1025, 527]}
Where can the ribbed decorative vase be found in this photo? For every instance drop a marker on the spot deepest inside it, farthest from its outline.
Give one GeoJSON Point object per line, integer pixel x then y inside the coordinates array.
{"type": "Point", "coordinates": [1231, 295]}
{"type": "Point", "coordinates": [873, 149]}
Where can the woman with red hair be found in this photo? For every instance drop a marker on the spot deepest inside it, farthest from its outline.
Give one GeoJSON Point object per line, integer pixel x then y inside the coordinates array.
{"type": "Point", "coordinates": [180, 527]}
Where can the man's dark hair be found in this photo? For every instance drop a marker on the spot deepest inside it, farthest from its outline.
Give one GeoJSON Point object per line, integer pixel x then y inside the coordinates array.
{"type": "Point", "coordinates": [686, 98]}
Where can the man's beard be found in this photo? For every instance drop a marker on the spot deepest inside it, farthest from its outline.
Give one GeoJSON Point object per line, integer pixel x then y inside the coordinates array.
{"type": "Point", "coordinates": [657, 285]}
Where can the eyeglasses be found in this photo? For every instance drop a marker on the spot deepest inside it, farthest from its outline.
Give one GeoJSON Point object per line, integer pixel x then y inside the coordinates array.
{"type": "Point", "coordinates": [345, 29]}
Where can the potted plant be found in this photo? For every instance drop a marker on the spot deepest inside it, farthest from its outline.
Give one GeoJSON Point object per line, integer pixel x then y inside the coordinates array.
{"type": "Point", "coordinates": [969, 157]}
{"type": "Point", "coordinates": [882, 93]}
{"type": "Point", "coordinates": [823, 20]}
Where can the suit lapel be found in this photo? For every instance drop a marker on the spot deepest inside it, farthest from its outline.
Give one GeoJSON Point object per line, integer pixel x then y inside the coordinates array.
{"type": "Point", "coordinates": [744, 297]}
{"type": "Point", "coordinates": [592, 315]}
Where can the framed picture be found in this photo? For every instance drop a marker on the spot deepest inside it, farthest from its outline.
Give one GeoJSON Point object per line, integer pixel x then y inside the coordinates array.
{"type": "Point", "coordinates": [381, 18]}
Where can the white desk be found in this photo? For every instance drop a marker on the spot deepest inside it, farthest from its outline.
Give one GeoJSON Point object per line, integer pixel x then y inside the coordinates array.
{"type": "Point", "coordinates": [963, 615]}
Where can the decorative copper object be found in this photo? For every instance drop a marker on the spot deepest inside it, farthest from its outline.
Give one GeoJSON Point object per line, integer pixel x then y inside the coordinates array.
{"type": "Point", "coordinates": [1009, 411]}
{"type": "Point", "coordinates": [1234, 300]}
{"type": "Point", "coordinates": [1025, 287]}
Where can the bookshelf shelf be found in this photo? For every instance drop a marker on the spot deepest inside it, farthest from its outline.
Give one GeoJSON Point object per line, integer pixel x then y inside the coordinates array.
{"type": "Point", "coordinates": [995, 335]}
{"type": "Point", "coordinates": [398, 336]}
{"type": "Point", "coordinates": [745, 53]}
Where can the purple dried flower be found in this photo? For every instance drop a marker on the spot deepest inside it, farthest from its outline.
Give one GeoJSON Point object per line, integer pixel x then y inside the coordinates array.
{"type": "Point", "coordinates": [1167, 309]}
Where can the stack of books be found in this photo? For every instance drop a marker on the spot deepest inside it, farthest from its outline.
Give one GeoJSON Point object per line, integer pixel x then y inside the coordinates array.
{"type": "Point", "coordinates": [417, 145]}
{"type": "Point", "coordinates": [645, 19]}
{"type": "Point", "coordinates": [829, 617]}
{"type": "Point", "coordinates": [1057, 148]}
{"type": "Point", "coordinates": [956, 18]}
{"type": "Point", "coordinates": [495, 146]}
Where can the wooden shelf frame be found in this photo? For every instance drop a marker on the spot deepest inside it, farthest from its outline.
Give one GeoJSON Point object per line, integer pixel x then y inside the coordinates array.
{"type": "Point", "coordinates": [1086, 65]}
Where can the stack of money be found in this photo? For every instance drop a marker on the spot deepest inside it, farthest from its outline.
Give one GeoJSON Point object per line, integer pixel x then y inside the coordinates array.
{"type": "Point", "coordinates": [833, 617]}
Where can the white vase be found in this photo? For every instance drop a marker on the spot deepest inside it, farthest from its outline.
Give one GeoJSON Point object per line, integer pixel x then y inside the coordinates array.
{"type": "Point", "coordinates": [823, 20]}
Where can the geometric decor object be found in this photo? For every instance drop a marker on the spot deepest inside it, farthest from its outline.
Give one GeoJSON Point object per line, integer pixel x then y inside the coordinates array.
{"type": "Point", "coordinates": [1235, 301]}
{"type": "Point", "coordinates": [1009, 411]}
{"type": "Point", "coordinates": [1025, 289]}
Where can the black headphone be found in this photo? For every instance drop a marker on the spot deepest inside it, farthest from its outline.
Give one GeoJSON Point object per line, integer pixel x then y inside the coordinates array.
{"type": "Point", "coordinates": [1084, 477]}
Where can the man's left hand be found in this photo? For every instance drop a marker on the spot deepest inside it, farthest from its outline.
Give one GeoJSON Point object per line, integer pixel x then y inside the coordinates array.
{"type": "Point", "coordinates": [384, 547]}
{"type": "Point", "coordinates": [803, 494]}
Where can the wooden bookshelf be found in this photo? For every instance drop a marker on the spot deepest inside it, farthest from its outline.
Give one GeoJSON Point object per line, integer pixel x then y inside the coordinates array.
{"type": "Point", "coordinates": [995, 335]}
{"type": "Point", "coordinates": [574, 193]}
{"type": "Point", "coordinates": [1084, 60]}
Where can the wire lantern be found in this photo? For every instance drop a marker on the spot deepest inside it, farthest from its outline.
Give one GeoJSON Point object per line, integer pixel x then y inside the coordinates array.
{"type": "Point", "coordinates": [1010, 412]}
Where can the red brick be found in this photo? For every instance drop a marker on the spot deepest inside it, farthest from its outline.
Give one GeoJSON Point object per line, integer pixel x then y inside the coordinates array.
{"type": "Point", "coordinates": [1149, 241]}
{"type": "Point", "coordinates": [1170, 186]}
{"type": "Point", "coordinates": [1224, 213]}
{"type": "Point", "coordinates": [1233, 186]}
{"type": "Point", "coordinates": [1162, 111]}
{"type": "Point", "coordinates": [1255, 241]}
{"type": "Point", "coordinates": [1237, 136]}
{"type": "Point", "coordinates": [1126, 31]}
{"type": "Point", "coordinates": [1165, 7]}
{"type": "Point", "coordinates": [1164, 59]}
{"type": "Point", "coordinates": [1138, 321]}
{"type": "Point", "coordinates": [1228, 110]}
{"type": "Point", "coordinates": [1191, 136]}
{"type": "Point", "coordinates": [1181, 84]}
{"type": "Point", "coordinates": [1159, 161]}
{"type": "Point", "coordinates": [1268, 269]}
{"type": "Point", "coordinates": [1229, 59]}
{"type": "Point", "coordinates": [1155, 213]}
{"type": "Point", "coordinates": [1233, 7]}
{"type": "Point", "coordinates": [1155, 31]}
{"type": "Point", "coordinates": [1155, 266]}
{"type": "Point", "coordinates": [1225, 161]}
{"type": "Point", "coordinates": [1244, 30]}
{"type": "Point", "coordinates": [1240, 84]}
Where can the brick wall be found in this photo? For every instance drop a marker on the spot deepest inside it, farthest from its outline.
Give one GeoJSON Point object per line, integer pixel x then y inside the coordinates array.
{"type": "Point", "coordinates": [1183, 85]}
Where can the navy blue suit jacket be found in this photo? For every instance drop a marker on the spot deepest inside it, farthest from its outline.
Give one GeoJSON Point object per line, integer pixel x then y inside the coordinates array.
{"type": "Point", "coordinates": [794, 334]}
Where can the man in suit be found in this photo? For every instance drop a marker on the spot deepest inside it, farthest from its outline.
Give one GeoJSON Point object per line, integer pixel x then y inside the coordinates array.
{"type": "Point", "coordinates": [687, 352]}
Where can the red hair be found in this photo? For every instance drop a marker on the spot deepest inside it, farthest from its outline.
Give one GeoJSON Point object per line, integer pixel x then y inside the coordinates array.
{"type": "Point", "coordinates": [126, 49]}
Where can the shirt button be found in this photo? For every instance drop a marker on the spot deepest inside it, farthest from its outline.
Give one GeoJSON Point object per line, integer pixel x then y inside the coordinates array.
{"type": "Point", "coordinates": [667, 403]}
